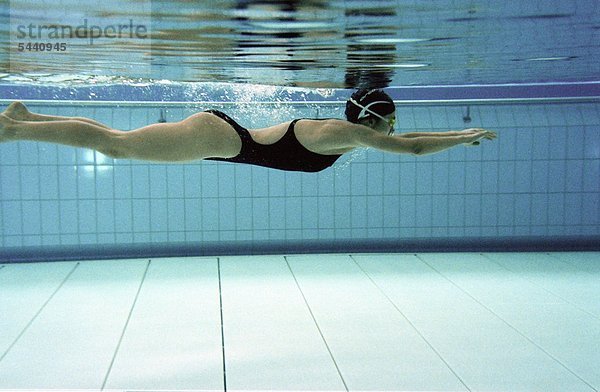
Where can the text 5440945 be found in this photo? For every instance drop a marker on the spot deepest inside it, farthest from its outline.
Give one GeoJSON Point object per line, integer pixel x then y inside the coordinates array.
{"type": "Point", "coordinates": [41, 46]}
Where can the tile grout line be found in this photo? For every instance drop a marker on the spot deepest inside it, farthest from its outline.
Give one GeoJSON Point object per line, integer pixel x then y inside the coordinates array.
{"type": "Point", "coordinates": [39, 311]}
{"type": "Point", "coordinates": [137, 295]}
{"type": "Point", "coordinates": [572, 265]}
{"type": "Point", "coordinates": [510, 326]}
{"type": "Point", "coordinates": [222, 329]}
{"type": "Point", "coordinates": [411, 324]}
{"type": "Point", "coordinates": [498, 263]}
{"type": "Point", "coordinates": [316, 324]}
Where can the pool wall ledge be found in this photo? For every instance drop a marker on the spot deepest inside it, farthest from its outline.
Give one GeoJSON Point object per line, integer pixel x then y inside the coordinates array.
{"type": "Point", "coordinates": [237, 248]}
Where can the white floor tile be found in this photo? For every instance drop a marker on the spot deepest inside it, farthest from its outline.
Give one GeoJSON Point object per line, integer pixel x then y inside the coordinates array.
{"type": "Point", "coordinates": [271, 340]}
{"type": "Point", "coordinates": [480, 348]}
{"type": "Point", "coordinates": [24, 290]}
{"type": "Point", "coordinates": [539, 316]}
{"type": "Point", "coordinates": [451, 322]}
{"type": "Point", "coordinates": [563, 280]}
{"type": "Point", "coordinates": [373, 344]}
{"type": "Point", "coordinates": [71, 343]}
{"type": "Point", "coordinates": [173, 339]}
{"type": "Point", "coordinates": [585, 261]}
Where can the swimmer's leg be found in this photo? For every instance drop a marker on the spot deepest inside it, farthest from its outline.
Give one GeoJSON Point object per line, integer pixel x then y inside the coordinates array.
{"type": "Point", "coordinates": [66, 132]}
{"type": "Point", "coordinates": [18, 111]}
{"type": "Point", "coordinates": [199, 136]}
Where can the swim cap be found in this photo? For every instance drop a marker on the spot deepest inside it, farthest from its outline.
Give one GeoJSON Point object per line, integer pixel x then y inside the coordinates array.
{"type": "Point", "coordinates": [364, 101]}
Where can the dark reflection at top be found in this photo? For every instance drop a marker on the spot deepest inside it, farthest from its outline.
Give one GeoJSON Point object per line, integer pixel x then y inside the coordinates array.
{"type": "Point", "coordinates": [306, 35]}
{"type": "Point", "coordinates": [374, 76]}
{"type": "Point", "coordinates": [370, 23]}
{"type": "Point", "coordinates": [322, 43]}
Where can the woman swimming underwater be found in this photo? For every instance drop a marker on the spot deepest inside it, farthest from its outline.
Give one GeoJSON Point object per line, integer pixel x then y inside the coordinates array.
{"type": "Point", "coordinates": [308, 145]}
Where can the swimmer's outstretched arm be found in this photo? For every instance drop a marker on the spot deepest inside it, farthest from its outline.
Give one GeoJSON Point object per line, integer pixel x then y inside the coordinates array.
{"type": "Point", "coordinates": [433, 134]}
{"type": "Point", "coordinates": [420, 143]}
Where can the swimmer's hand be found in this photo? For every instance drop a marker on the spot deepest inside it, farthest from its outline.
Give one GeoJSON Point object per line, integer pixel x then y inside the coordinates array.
{"type": "Point", "coordinates": [475, 135]}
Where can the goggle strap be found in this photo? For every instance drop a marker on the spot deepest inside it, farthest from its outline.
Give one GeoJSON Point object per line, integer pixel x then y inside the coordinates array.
{"type": "Point", "coordinates": [362, 113]}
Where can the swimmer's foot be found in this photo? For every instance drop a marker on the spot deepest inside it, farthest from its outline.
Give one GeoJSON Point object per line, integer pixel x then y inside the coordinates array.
{"type": "Point", "coordinates": [5, 132]}
{"type": "Point", "coordinates": [17, 111]}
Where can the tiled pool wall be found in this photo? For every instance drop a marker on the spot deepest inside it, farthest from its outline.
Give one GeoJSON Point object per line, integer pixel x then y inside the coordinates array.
{"type": "Point", "coordinates": [538, 183]}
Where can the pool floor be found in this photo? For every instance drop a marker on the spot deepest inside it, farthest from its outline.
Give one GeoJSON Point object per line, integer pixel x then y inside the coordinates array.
{"type": "Point", "coordinates": [398, 322]}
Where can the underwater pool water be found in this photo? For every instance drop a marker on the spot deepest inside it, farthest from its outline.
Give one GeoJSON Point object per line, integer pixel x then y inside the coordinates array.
{"type": "Point", "coordinates": [526, 70]}
{"type": "Point", "coordinates": [300, 285]}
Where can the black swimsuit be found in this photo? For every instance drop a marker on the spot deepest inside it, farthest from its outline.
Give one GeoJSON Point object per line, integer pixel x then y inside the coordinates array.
{"type": "Point", "coordinates": [285, 154]}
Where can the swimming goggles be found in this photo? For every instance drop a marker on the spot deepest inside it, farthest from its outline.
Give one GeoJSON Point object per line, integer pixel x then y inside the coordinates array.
{"type": "Point", "coordinates": [364, 109]}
